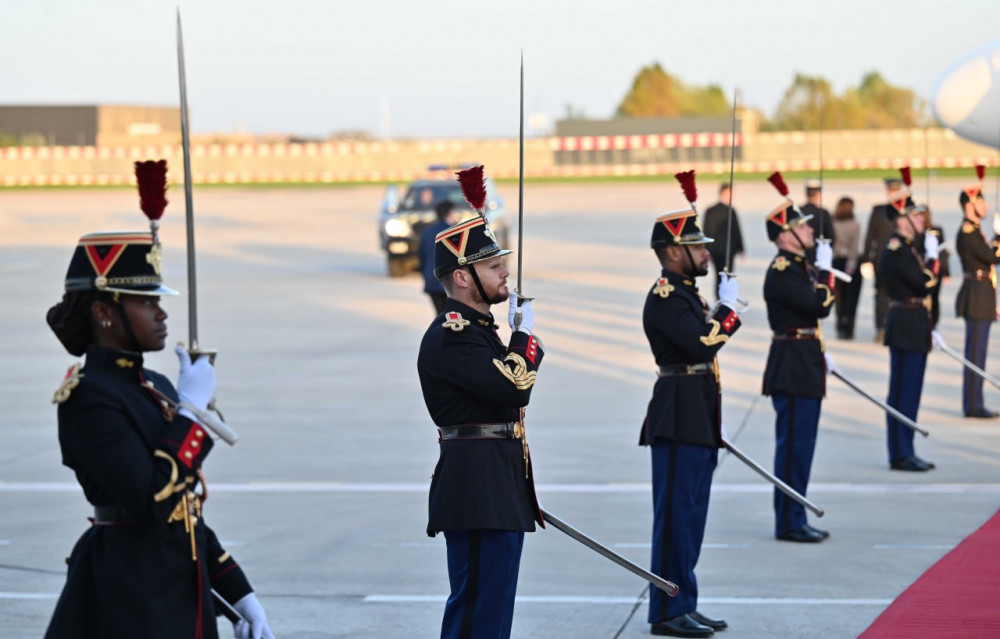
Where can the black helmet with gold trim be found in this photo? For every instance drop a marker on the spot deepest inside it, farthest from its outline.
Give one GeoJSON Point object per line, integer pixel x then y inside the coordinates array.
{"type": "Point", "coordinates": [680, 227]}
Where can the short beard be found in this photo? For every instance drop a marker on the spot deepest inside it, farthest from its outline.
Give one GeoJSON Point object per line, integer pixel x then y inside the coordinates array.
{"type": "Point", "coordinates": [495, 298]}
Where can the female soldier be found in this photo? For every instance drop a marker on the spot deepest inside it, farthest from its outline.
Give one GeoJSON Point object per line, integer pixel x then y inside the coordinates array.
{"type": "Point", "coordinates": [148, 566]}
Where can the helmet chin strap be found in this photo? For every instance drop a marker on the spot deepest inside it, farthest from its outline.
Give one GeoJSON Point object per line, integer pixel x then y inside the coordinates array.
{"type": "Point", "coordinates": [690, 270]}
{"type": "Point", "coordinates": [798, 239]}
{"type": "Point", "coordinates": [913, 226]}
{"type": "Point", "coordinates": [127, 325]}
{"type": "Point", "coordinates": [479, 284]}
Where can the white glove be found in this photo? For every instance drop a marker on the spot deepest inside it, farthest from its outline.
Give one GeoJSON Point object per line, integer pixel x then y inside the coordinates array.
{"type": "Point", "coordinates": [996, 223]}
{"type": "Point", "coordinates": [196, 382]}
{"type": "Point", "coordinates": [255, 626]}
{"type": "Point", "coordinates": [526, 321]}
{"type": "Point", "coordinates": [824, 255]}
{"type": "Point", "coordinates": [867, 270]}
{"type": "Point", "coordinates": [932, 246]}
{"type": "Point", "coordinates": [937, 339]}
{"type": "Point", "coordinates": [729, 290]}
{"type": "Point", "coordinates": [725, 435]}
{"type": "Point", "coordinates": [830, 364]}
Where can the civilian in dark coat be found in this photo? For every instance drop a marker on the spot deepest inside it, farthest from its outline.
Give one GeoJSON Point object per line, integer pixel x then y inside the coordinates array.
{"type": "Point", "coordinates": [445, 217]}
{"type": "Point", "coordinates": [715, 224]}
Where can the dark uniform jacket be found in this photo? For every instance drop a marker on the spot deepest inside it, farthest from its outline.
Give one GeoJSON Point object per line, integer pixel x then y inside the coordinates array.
{"type": "Point", "coordinates": [878, 233]}
{"type": "Point", "coordinates": [798, 297]}
{"type": "Point", "coordinates": [715, 225]}
{"type": "Point", "coordinates": [685, 408]}
{"type": "Point", "coordinates": [821, 221]}
{"type": "Point", "coordinates": [468, 376]}
{"type": "Point", "coordinates": [136, 577]}
{"type": "Point", "coordinates": [977, 297]}
{"type": "Point", "coordinates": [909, 282]}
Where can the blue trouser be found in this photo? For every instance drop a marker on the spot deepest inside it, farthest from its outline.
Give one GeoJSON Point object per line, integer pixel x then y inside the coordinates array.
{"type": "Point", "coordinates": [795, 441]}
{"type": "Point", "coordinates": [977, 336]}
{"type": "Point", "coordinates": [482, 569]}
{"type": "Point", "coordinates": [906, 382]}
{"type": "Point", "coordinates": [682, 481]}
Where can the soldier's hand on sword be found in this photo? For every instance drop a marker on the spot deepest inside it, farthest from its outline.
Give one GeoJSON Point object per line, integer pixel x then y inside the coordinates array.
{"type": "Point", "coordinates": [830, 364]}
{"type": "Point", "coordinates": [729, 291]}
{"type": "Point", "coordinates": [936, 338]}
{"type": "Point", "coordinates": [932, 246]}
{"type": "Point", "coordinates": [996, 223]}
{"type": "Point", "coordinates": [824, 255]}
{"type": "Point", "coordinates": [196, 382]}
{"type": "Point", "coordinates": [520, 318]}
{"type": "Point", "coordinates": [867, 270]}
{"type": "Point", "coordinates": [255, 624]}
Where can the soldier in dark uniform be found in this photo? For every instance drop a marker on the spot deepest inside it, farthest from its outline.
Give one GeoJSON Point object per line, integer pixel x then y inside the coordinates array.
{"type": "Point", "coordinates": [482, 492]}
{"type": "Point", "coordinates": [943, 261]}
{"type": "Point", "coordinates": [798, 296]}
{"type": "Point", "coordinates": [977, 298]}
{"type": "Point", "coordinates": [910, 277]}
{"type": "Point", "coordinates": [876, 236]}
{"type": "Point", "coordinates": [716, 225]}
{"type": "Point", "coordinates": [683, 420]}
{"type": "Point", "coordinates": [149, 563]}
{"type": "Point", "coordinates": [819, 218]}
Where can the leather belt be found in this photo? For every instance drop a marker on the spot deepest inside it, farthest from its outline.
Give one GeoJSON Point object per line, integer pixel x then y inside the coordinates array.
{"type": "Point", "coordinates": [112, 516]}
{"type": "Point", "coordinates": [797, 333]}
{"type": "Point", "coordinates": [978, 275]}
{"type": "Point", "coordinates": [506, 430]}
{"type": "Point", "coordinates": [911, 302]}
{"type": "Point", "coordinates": [674, 370]}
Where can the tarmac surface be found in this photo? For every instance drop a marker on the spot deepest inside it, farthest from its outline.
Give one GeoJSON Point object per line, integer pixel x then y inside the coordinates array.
{"type": "Point", "coordinates": [324, 499]}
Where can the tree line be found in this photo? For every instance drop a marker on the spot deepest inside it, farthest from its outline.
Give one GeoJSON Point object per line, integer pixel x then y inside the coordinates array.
{"type": "Point", "coordinates": [808, 103]}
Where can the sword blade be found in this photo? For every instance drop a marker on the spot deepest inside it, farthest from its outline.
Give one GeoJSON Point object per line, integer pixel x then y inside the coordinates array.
{"type": "Point", "coordinates": [226, 608]}
{"type": "Point", "coordinates": [666, 586]}
{"type": "Point", "coordinates": [188, 195]}
{"type": "Point", "coordinates": [900, 417]}
{"type": "Point", "coordinates": [732, 164]}
{"type": "Point", "coordinates": [520, 190]}
{"type": "Point", "coordinates": [966, 363]}
{"type": "Point", "coordinates": [780, 485]}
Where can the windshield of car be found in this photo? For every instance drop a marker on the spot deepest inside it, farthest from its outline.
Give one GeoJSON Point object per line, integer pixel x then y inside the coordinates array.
{"type": "Point", "coordinates": [425, 197]}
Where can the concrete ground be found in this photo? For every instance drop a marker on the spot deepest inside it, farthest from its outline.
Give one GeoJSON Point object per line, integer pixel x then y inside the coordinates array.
{"type": "Point", "coordinates": [323, 501]}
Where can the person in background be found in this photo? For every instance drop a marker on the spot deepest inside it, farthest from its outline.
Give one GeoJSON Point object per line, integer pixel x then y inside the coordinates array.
{"type": "Point", "coordinates": [880, 229]}
{"type": "Point", "coordinates": [845, 258]}
{"type": "Point", "coordinates": [716, 225]}
{"type": "Point", "coordinates": [446, 217]}
{"type": "Point", "coordinates": [820, 220]}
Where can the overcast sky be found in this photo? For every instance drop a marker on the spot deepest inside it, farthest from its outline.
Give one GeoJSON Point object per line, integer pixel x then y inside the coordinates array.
{"type": "Point", "coordinates": [450, 67]}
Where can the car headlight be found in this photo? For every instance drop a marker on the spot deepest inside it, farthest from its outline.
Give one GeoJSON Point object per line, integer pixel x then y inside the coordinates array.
{"type": "Point", "coordinates": [397, 228]}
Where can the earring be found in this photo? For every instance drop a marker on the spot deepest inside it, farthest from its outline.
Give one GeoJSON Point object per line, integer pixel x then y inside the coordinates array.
{"type": "Point", "coordinates": [105, 323]}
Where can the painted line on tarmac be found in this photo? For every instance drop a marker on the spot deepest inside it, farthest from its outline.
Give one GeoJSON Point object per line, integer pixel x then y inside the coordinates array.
{"type": "Point", "coordinates": [569, 599]}
{"type": "Point", "coordinates": [913, 546]}
{"type": "Point", "coordinates": [647, 544]}
{"type": "Point", "coordinates": [308, 487]}
{"type": "Point", "coordinates": [28, 595]}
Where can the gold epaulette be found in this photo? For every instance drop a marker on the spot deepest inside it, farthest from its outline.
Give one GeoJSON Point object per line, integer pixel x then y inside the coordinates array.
{"type": "Point", "coordinates": [968, 227]}
{"type": "Point", "coordinates": [893, 244]}
{"type": "Point", "coordinates": [70, 381]}
{"type": "Point", "coordinates": [455, 321]}
{"type": "Point", "coordinates": [780, 263]}
{"type": "Point", "coordinates": [663, 288]}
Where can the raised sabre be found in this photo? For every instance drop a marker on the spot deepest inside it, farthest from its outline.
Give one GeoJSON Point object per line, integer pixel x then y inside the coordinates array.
{"type": "Point", "coordinates": [668, 587]}
{"type": "Point", "coordinates": [194, 348]}
{"type": "Point", "coordinates": [520, 207]}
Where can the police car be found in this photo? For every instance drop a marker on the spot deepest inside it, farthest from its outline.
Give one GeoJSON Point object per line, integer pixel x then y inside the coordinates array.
{"type": "Point", "coordinates": [401, 219]}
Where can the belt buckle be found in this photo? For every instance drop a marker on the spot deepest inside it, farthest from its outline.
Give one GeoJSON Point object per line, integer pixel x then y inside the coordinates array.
{"type": "Point", "coordinates": [518, 430]}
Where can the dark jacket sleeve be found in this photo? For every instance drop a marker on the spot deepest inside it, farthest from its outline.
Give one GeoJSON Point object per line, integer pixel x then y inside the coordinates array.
{"type": "Point", "coordinates": [225, 574]}
{"type": "Point", "coordinates": [479, 372]}
{"type": "Point", "coordinates": [95, 426]}
{"type": "Point", "coordinates": [797, 292]}
{"type": "Point", "coordinates": [697, 339]}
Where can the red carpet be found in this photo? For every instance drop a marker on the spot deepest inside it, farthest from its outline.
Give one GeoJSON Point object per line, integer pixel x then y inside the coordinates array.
{"type": "Point", "coordinates": [959, 596]}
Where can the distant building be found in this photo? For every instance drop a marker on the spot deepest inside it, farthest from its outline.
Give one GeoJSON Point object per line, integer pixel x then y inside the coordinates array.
{"type": "Point", "coordinates": [631, 141]}
{"type": "Point", "coordinates": [88, 125]}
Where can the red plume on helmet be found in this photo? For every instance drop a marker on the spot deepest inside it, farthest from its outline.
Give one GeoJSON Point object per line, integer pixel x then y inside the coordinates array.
{"type": "Point", "coordinates": [778, 182]}
{"type": "Point", "coordinates": [151, 177]}
{"type": "Point", "coordinates": [981, 171]}
{"type": "Point", "coordinates": [686, 178]}
{"type": "Point", "coordinates": [473, 185]}
{"type": "Point", "coordinates": [904, 172]}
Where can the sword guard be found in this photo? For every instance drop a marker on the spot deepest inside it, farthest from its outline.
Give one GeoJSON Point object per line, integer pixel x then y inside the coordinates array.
{"type": "Point", "coordinates": [522, 298]}
{"type": "Point", "coordinates": [195, 353]}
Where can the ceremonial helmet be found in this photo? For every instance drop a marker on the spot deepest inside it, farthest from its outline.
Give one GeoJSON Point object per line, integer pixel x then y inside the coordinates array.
{"type": "Point", "coordinates": [973, 191]}
{"type": "Point", "coordinates": [680, 227]}
{"type": "Point", "coordinates": [470, 241]}
{"type": "Point", "coordinates": [125, 261]}
{"type": "Point", "coordinates": [786, 215]}
{"type": "Point", "coordinates": [902, 205]}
